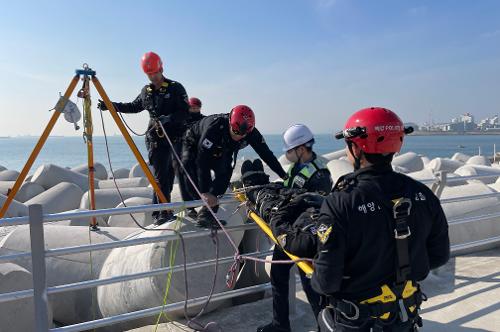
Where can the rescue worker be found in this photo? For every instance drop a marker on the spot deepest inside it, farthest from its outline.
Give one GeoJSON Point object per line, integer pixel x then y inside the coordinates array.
{"type": "Point", "coordinates": [167, 102]}
{"type": "Point", "coordinates": [212, 144]}
{"type": "Point", "coordinates": [380, 233]}
{"type": "Point", "coordinates": [194, 110]}
{"type": "Point", "coordinates": [308, 172]}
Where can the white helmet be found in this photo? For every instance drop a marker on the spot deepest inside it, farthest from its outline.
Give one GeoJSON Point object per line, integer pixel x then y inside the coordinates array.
{"type": "Point", "coordinates": [297, 135]}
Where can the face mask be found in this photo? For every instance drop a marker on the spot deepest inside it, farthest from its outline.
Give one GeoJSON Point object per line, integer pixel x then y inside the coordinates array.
{"type": "Point", "coordinates": [292, 156]}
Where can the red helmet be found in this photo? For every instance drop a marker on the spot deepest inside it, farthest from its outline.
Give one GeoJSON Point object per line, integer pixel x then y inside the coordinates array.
{"type": "Point", "coordinates": [193, 101]}
{"type": "Point", "coordinates": [241, 120]}
{"type": "Point", "coordinates": [375, 130]}
{"type": "Point", "coordinates": [151, 63]}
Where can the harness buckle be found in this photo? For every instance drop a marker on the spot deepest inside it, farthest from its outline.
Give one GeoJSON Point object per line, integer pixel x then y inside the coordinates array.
{"type": "Point", "coordinates": [402, 235]}
{"type": "Point", "coordinates": [356, 311]}
{"type": "Point", "coordinates": [401, 208]}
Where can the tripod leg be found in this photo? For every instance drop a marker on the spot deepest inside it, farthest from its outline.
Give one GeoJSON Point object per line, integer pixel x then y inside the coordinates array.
{"type": "Point", "coordinates": [58, 109]}
{"type": "Point", "coordinates": [129, 140]}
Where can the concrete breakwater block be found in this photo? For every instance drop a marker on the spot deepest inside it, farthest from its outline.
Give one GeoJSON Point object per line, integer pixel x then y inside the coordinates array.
{"type": "Point", "coordinates": [283, 161]}
{"type": "Point", "coordinates": [147, 292]}
{"type": "Point", "coordinates": [109, 198]}
{"type": "Point", "coordinates": [335, 155]}
{"type": "Point", "coordinates": [2, 168]}
{"type": "Point", "coordinates": [471, 170]}
{"type": "Point", "coordinates": [462, 157]}
{"type": "Point", "coordinates": [125, 220]}
{"type": "Point", "coordinates": [443, 164]}
{"type": "Point", "coordinates": [16, 209]}
{"type": "Point", "coordinates": [478, 160]}
{"type": "Point", "coordinates": [409, 161]}
{"type": "Point", "coordinates": [119, 173]}
{"type": "Point", "coordinates": [26, 191]}
{"type": "Point", "coordinates": [75, 306]}
{"type": "Point", "coordinates": [100, 171]}
{"type": "Point", "coordinates": [62, 197]}
{"type": "Point", "coordinates": [15, 278]}
{"type": "Point", "coordinates": [458, 209]}
{"type": "Point", "coordinates": [49, 175]}
{"type": "Point", "coordinates": [425, 160]}
{"type": "Point", "coordinates": [137, 172]}
{"type": "Point", "coordinates": [338, 168]}
{"type": "Point", "coordinates": [124, 183]}
{"type": "Point", "coordinates": [9, 175]}
{"type": "Point", "coordinates": [79, 221]}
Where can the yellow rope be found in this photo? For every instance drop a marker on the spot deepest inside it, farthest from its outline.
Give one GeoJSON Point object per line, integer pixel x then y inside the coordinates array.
{"type": "Point", "coordinates": [174, 245]}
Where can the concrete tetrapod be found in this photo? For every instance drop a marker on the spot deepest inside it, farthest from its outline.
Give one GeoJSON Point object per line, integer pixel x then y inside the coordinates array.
{"type": "Point", "coordinates": [338, 168]}
{"type": "Point", "coordinates": [16, 209]}
{"type": "Point", "coordinates": [109, 198]}
{"type": "Point", "coordinates": [27, 190]}
{"type": "Point", "coordinates": [144, 293]}
{"type": "Point", "coordinates": [443, 164]}
{"type": "Point", "coordinates": [75, 306]}
{"type": "Point", "coordinates": [137, 172]}
{"type": "Point", "coordinates": [125, 220]}
{"type": "Point", "coordinates": [62, 197]}
{"type": "Point", "coordinates": [478, 160]}
{"type": "Point", "coordinates": [476, 230]}
{"type": "Point", "coordinates": [17, 315]}
{"type": "Point", "coordinates": [335, 155]}
{"type": "Point", "coordinates": [120, 173]}
{"type": "Point", "coordinates": [9, 175]}
{"type": "Point", "coordinates": [471, 170]}
{"type": "Point", "coordinates": [100, 171]}
{"type": "Point", "coordinates": [409, 161]}
{"type": "Point", "coordinates": [123, 183]}
{"type": "Point", "coordinates": [49, 175]}
{"type": "Point", "coordinates": [462, 157]}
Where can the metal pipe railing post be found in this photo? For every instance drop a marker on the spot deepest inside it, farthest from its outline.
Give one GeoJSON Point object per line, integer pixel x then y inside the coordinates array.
{"type": "Point", "coordinates": [438, 186]}
{"type": "Point", "coordinates": [40, 299]}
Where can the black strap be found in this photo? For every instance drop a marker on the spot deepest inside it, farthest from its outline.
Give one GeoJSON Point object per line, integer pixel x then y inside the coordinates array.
{"type": "Point", "coordinates": [401, 212]}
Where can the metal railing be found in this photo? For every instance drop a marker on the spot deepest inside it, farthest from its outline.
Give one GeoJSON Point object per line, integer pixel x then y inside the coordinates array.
{"type": "Point", "coordinates": [38, 254]}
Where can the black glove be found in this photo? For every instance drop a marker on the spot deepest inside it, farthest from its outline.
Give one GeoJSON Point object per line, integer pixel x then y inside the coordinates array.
{"type": "Point", "coordinates": [101, 105]}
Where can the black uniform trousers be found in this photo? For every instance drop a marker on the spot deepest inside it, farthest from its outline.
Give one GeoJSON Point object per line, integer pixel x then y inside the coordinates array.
{"type": "Point", "coordinates": [280, 277]}
{"type": "Point", "coordinates": [160, 157]}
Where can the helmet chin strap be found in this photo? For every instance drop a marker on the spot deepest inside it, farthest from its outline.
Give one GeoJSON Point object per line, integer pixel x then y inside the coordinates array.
{"type": "Point", "coordinates": [357, 160]}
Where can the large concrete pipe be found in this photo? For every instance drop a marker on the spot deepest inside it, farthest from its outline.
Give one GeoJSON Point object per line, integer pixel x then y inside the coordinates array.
{"type": "Point", "coordinates": [119, 173]}
{"type": "Point", "coordinates": [338, 168]}
{"type": "Point", "coordinates": [109, 198]}
{"type": "Point", "coordinates": [443, 164]}
{"type": "Point", "coordinates": [76, 306]}
{"type": "Point", "coordinates": [49, 175]}
{"type": "Point", "coordinates": [125, 220]}
{"type": "Point", "coordinates": [9, 175]}
{"type": "Point", "coordinates": [100, 171]}
{"type": "Point", "coordinates": [124, 183]}
{"type": "Point", "coordinates": [26, 191]}
{"type": "Point", "coordinates": [148, 292]}
{"type": "Point", "coordinates": [62, 197]}
{"type": "Point", "coordinates": [18, 315]}
{"type": "Point", "coordinates": [16, 209]}
{"type": "Point", "coordinates": [409, 161]}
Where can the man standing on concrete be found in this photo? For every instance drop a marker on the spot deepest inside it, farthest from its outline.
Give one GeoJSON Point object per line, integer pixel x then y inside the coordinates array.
{"type": "Point", "coordinates": [167, 103]}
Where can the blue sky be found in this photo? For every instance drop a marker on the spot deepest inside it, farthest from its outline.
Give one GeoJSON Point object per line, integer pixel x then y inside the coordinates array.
{"type": "Point", "coordinates": [308, 61]}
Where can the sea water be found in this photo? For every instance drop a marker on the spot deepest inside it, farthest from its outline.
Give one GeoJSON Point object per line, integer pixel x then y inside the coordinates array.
{"type": "Point", "coordinates": [72, 151]}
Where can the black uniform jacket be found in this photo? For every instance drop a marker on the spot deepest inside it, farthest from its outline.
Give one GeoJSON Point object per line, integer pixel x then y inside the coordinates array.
{"type": "Point", "coordinates": [209, 143]}
{"type": "Point", "coordinates": [356, 250]}
{"type": "Point", "coordinates": [170, 100]}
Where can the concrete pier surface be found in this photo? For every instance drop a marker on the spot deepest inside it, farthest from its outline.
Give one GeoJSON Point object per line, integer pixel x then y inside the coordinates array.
{"type": "Point", "coordinates": [464, 296]}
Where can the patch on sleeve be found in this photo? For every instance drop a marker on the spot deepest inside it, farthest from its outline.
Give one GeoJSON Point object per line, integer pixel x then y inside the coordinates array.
{"type": "Point", "coordinates": [323, 233]}
{"type": "Point", "coordinates": [282, 240]}
{"type": "Point", "coordinates": [207, 144]}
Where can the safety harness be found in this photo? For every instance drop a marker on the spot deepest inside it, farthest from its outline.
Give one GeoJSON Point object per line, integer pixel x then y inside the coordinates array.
{"type": "Point", "coordinates": [401, 300]}
{"type": "Point", "coordinates": [309, 169]}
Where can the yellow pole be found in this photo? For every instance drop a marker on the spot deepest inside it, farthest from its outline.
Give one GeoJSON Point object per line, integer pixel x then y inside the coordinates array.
{"type": "Point", "coordinates": [88, 132]}
{"type": "Point", "coordinates": [304, 266]}
{"type": "Point", "coordinates": [129, 140]}
{"type": "Point", "coordinates": [58, 109]}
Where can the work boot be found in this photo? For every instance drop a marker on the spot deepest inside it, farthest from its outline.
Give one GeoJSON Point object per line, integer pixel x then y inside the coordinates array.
{"type": "Point", "coordinates": [271, 328]}
{"type": "Point", "coordinates": [163, 217]}
{"type": "Point", "coordinates": [192, 213]}
{"type": "Point", "coordinates": [206, 220]}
